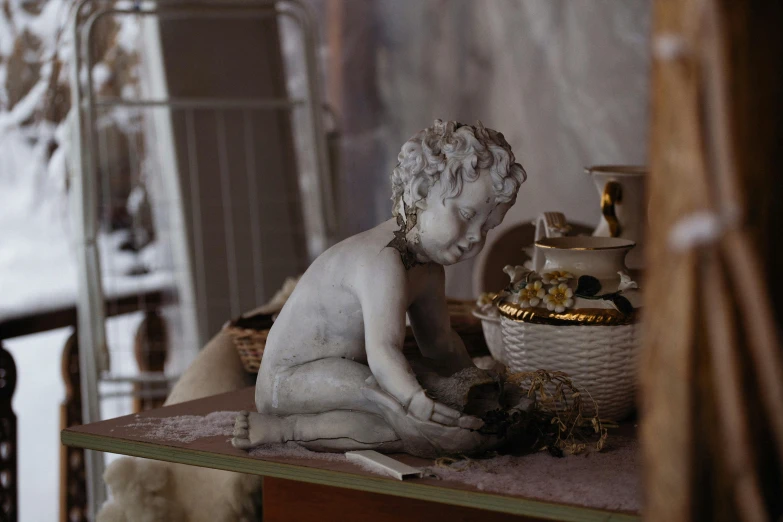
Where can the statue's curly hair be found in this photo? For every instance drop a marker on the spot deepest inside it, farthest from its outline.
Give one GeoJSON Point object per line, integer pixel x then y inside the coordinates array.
{"type": "Point", "coordinates": [456, 151]}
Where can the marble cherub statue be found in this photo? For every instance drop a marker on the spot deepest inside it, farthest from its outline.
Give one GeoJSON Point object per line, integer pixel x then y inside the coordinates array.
{"type": "Point", "coordinates": [333, 375]}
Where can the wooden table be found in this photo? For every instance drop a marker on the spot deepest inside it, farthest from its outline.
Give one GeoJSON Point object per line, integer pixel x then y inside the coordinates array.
{"type": "Point", "coordinates": [301, 488]}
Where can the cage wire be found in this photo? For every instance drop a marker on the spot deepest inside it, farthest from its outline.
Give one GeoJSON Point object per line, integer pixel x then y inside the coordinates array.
{"type": "Point", "coordinates": [187, 196]}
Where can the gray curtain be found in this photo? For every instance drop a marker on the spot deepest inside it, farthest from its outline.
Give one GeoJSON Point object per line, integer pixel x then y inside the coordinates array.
{"type": "Point", "coordinates": [565, 81]}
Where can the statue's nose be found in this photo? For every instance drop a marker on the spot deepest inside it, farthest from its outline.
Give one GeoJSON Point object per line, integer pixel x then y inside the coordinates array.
{"type": "Point", "coordinates": [474, 234]}
{"type": "Point", "coordinates": [473, 237]}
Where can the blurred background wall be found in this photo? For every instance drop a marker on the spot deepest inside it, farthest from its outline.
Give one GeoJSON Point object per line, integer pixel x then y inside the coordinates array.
{"type": "Point", "coordinates": [565, 81]}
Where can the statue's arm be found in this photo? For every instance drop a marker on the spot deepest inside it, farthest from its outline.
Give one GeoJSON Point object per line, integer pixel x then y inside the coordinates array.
{"type": "Point", "coordinates": [382, 291]}
{"type": "Point", "coordinates": [429, 316]}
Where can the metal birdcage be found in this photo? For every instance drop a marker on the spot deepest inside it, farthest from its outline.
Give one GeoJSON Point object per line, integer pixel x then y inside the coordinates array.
{"type": "Point", "coordinates": [214, 219]}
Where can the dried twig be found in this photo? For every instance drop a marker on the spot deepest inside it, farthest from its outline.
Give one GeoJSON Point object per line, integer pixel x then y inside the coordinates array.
{"type": "Point", "coordinates": [559, 411]}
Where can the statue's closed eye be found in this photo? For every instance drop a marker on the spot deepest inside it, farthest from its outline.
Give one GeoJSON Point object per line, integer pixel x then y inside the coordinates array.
{"type": "Point", "coordinates": [467, 213]}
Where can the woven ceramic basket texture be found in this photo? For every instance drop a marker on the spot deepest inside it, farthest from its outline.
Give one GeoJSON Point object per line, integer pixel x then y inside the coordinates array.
{"type": "Point", "coordinates": [494, 338]}
{"type": "Point", "coordinates": [599, 359]}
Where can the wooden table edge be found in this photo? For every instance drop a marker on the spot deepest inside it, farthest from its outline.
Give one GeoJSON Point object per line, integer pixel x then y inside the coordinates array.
{"type": "Point", "coordinates": [254, 466]}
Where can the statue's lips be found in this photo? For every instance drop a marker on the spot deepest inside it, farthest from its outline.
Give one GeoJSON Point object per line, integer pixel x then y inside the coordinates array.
{"type": "Point", "coordinates": [461, 251]}
{"type": "Point", "coordinates": [456, 254]}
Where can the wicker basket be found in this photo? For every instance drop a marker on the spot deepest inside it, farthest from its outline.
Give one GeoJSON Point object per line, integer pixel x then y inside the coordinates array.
{"type": "Point", "coordinates": [249, 334]}
{"type": "Point", "coordinates": [600, 358]}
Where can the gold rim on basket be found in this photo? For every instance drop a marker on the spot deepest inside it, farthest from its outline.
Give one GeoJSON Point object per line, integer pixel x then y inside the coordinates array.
{"type": "Point", "coordinates": [580, 317]}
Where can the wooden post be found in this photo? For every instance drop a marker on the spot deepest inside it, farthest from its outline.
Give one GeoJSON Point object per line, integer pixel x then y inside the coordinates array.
{"type": "Point", "coordinates": [151, 351]}
{"type": "Point", "coordinates": [712, 376]}
{"type": "Point", "coordinates": [8, 467]}
{"type": "Point", "coordinates": [73, 481]}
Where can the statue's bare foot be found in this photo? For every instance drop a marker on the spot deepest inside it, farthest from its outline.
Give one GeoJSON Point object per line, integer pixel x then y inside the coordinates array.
{"type": "Point", "coordinates": [254, 429]}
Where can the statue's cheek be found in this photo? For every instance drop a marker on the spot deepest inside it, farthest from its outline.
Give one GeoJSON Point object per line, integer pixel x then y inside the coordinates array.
{"type": "Point", "coordinates": [452, 229]}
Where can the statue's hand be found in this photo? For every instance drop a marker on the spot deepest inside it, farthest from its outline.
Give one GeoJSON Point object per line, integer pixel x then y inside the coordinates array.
{"type": "Point", "coordinates": [426, 438]}
{"type": "Point", "coordinates": [423, 408]}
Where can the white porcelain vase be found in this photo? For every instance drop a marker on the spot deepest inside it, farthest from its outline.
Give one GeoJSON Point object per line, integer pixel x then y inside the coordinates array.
{"type": "Point", "coordinates": [623, 205]}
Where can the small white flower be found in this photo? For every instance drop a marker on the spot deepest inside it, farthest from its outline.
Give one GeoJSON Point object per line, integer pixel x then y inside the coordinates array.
{"type": "Point", "coordinates": [556, 277]}
{"type": "Point", "coordinates": [559, 298]}
{"type": "Point", "coordinates": [515, 273]}
{"type": "Point", "coordinates": [485, 298]}
{"type": "Point", "coordinates": [486, 304]}
{"type": "Point", "coordinates": [531, 294]}
{"type": "Point", "coordinates": [625, 282]}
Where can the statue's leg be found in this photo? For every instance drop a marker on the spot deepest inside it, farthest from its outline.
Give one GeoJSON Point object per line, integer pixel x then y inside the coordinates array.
{"type": "Point", "coordinates": [328, 384]}
{"type": "Point", "coordinates": [317, 404]}
{"type": "Point", "coordinates": [329, 431]}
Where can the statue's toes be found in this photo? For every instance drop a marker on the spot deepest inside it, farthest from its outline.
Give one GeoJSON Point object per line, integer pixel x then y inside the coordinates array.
{"type": "Point", "coordinates": [241, 432]}
{"type": "Point", "coordinates": [242, 443]}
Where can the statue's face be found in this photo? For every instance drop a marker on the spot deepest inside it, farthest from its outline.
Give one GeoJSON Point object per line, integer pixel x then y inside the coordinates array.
{"type": "Point", "coordinates": [455, 229]}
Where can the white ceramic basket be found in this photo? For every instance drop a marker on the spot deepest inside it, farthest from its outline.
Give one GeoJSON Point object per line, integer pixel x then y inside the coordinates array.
{"type": "Point", "coordinates": [587, 323]}
{"type": "Point", "coordinates": [492, 335]}
{"type": "Point", "coordinates": [600, 359]}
